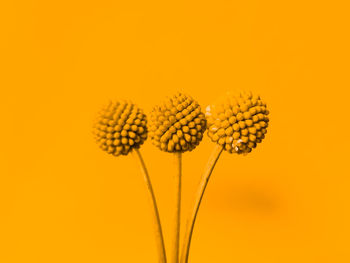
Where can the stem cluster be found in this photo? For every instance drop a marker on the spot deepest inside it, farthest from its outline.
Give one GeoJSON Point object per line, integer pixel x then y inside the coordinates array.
{"type": "Point", "coordinates": [175, 244]}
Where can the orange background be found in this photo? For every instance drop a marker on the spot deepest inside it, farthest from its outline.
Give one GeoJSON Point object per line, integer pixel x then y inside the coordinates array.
{"type": "Point", "coordinates": [64, 200]}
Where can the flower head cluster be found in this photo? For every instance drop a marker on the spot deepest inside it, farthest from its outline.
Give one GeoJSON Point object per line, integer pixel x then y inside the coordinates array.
{"type": "Point", "coordinates": [237, 121]}
{"type": "Point", "coordinates": [120, 127]}
{"type": "Point", "coordinates": [177, 125]}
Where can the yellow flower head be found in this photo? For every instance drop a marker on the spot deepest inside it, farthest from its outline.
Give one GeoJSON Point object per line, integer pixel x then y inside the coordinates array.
{"type": "Point", "coordinates": [177, 125]}
{"type": "Point", "coordinates": [120, 127]}
{"type": "Point", "coordinates": [237, 121]}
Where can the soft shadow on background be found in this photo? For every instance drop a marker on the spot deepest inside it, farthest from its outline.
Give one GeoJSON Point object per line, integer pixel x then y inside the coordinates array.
{"type": "Point", "coordinates": [64, 200]}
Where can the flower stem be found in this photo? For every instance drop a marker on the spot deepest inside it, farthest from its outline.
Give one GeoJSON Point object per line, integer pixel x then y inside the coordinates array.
{"type": "Point", "coordinates": [201, 189]}
{"type": "Point", "coordinates": [177, 209]}
{"type": "Point", "coordinates": [152, 199]}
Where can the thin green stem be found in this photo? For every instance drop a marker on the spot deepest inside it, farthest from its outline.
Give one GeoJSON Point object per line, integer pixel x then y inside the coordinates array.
{"type": "Point", "coordinates": [155, 214]}
{"type": "Point", "coordinates": [201, 189]}
{"type": "Point", "coordinates": [177, 209]}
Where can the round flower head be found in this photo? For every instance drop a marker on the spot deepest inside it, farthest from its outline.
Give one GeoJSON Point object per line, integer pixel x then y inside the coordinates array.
{"type": "Point", "coordinates": [120, 127]}
{"type": "Point", "coordinates": [237, 121]}
{"type": "Point", "coordinates": [178, 124]}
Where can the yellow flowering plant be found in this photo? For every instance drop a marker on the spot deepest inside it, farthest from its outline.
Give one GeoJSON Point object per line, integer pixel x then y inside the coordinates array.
{"type": "Point", "coordinates": [236, 122]}
{"type": "Point", "coordinates": [119, 129]}
{"type": "Point", "coordinates": [177, 126]}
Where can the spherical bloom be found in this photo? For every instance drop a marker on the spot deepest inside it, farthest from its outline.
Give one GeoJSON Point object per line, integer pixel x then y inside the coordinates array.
{"type": "Point", "coordinates": [237, 121]}
{"type": "Point", "coordinates": [120, 127]}
{"type": "Point", "coordinates": [178, 124]}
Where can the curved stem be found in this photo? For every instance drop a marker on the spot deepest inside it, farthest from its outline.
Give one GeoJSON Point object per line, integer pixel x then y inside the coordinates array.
{"type": "Point", "coordinates": [153, 202]}
{"type": "Point", "coordinates": [202, 186]}
{"type": "Point", "coordinates": [174, 258]}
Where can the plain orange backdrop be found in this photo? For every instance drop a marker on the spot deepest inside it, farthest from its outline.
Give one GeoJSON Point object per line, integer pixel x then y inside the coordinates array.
{"type": "Point", "coordinates": [64, 200]}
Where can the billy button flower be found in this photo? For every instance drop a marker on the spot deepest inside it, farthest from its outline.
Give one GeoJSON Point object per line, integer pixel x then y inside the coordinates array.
{"type": "Point", "coordinates": [177, 126]}
{"type": "Point", "coordinates": [121, 128]}
{"type": "Point", "coordinates": [237, 123]}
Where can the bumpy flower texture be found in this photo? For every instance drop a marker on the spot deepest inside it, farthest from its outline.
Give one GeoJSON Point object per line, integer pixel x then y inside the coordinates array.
{"type": "Point", "coordinates": [120, 127]}
{"type": "Point", "coordinates": [237, 121]}
{"type": "Point", "coordinates": [177, 125]}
